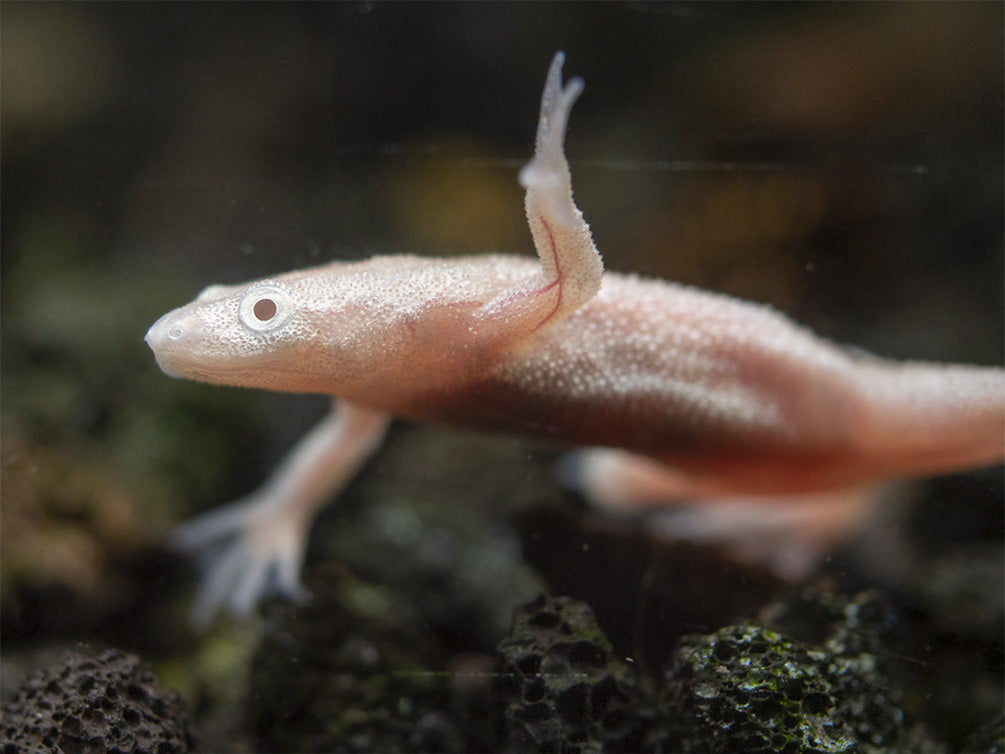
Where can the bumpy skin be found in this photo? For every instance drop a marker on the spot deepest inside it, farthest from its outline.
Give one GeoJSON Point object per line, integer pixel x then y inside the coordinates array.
{"type": "Point", "coordinates": [689, 392]}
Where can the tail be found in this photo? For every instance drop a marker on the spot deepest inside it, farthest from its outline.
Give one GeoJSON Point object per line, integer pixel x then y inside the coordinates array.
{"type": "Point", "coordinates": [924, 419]}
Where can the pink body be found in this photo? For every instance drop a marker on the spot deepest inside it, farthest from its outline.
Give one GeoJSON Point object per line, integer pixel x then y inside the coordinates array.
{"type": "Point", "coordinates": [728, 398]}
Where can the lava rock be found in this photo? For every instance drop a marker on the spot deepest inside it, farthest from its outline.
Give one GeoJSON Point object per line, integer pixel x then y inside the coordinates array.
{"type": "Point", "coordinates": [748, 688]}
{"type": "Point", "coordinates": [845, 624]}
{"type": "Point", "coordinates": [564, 690]}
{"type": "Point", "coordinates": [94, 704]}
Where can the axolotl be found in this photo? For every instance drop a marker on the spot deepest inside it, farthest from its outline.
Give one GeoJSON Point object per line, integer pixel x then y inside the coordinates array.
{"type": "Point", "coordinates": [678, 393]}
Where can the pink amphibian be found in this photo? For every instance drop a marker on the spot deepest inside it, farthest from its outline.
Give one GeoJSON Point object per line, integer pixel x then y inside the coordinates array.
{"type": "Point", "coordinates": [678, 393]}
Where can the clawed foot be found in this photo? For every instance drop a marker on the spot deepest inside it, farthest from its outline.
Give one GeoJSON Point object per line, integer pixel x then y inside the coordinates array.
{"type": "Point", "coordinates": [549, 165]}
{"type": "Point", "coordinates": [246, 551]}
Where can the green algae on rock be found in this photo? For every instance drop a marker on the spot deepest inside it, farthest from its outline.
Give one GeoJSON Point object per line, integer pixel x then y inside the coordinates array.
{"type": "Point", "coordinates": [747, 688]}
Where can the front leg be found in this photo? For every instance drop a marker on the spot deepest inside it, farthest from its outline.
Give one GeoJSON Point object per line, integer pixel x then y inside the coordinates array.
{"type": "Point", "coordinates": [571, 267]}
{"type": "Point", "coordinates": [256, 545]}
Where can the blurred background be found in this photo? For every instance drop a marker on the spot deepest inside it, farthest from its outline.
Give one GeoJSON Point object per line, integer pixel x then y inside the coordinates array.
{"type": "Point", "coordinates": [842, 162]}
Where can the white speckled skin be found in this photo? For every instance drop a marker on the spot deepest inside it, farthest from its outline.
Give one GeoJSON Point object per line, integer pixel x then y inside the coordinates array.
{"type": "Point", "coordinates": [732, 396]}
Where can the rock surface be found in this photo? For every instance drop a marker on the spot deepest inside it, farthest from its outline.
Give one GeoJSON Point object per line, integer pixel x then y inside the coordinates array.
{"type": "Point", "coordinates": [107, 703]}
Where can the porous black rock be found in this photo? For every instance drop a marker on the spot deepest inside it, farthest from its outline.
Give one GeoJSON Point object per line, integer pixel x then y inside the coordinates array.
{"type": "Point", "coordinates": [563, 689]}
{"type": "Point", "coordinates": [107, 703]}
{"type": "Point", "coordinates": [748, 688]}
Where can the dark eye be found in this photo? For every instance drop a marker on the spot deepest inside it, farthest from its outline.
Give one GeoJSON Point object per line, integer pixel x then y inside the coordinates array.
{"type": "Point", "coordinates": [265, 309]}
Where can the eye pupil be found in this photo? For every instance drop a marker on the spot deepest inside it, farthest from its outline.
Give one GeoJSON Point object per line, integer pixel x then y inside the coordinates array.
{"type": "Point", "coordinates": [265, 309]}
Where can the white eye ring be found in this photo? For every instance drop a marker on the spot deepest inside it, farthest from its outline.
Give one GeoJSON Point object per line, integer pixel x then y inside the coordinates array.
{"type": "Point", "coordinates": [266, 307]}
